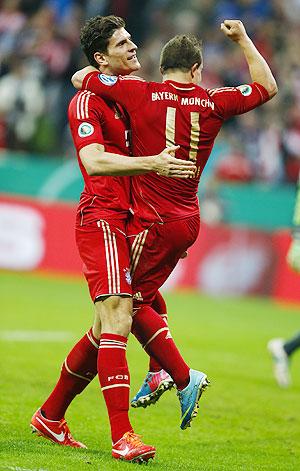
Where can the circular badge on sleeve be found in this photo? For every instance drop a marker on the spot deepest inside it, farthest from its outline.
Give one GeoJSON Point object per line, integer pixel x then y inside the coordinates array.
{"type": "Point", "coordinates": [108, 79]}
{"type": "Point", "coordinates": [245, 90]}
{"type": "Point", "coordinates": [85, 129]}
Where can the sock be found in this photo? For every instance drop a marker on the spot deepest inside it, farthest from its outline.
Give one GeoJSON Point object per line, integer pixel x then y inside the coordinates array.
{"type": "Point", "coordinates": [151, 331]}
{"type": "Point", "coordinates": [159, 306]}
{"type": "Point", "coordinates": [114, 379]}
{"type": "Point", "coordinates": [291, 345]}
{"type": "Point", "coordinates": [78, 370]}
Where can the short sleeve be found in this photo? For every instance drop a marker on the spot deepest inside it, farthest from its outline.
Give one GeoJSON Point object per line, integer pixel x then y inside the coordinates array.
{"type": "Point", "coordinates": [231, 101]}
{"type": "Point", "coordinates": [85, 120]}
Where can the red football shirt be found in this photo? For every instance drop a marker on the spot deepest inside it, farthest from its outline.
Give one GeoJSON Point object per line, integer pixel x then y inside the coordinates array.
{"type": "Point", "coordinates": [93, 120]}
{"type": "Point", "coordinates": [170, 113]}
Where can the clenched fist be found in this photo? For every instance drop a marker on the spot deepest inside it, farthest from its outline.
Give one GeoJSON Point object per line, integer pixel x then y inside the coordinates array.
{"type": "Point", "coordinates": [234, 29]}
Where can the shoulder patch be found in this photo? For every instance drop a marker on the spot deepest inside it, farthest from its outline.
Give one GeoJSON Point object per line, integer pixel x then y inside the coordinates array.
{"type": "Point", "coordinates": [85, 129]}
{"type": "Point", "coordinates": [108, 79]}
{"type": "Point", "coordinates": [245, 90]}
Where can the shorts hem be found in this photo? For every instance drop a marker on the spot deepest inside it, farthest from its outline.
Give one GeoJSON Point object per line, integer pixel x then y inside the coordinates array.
{"type": "Point", "coordinates": [129, 295]}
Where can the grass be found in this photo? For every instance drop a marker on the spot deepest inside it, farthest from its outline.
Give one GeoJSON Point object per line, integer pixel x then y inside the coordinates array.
{"type": "Point", "coordinates": [245, 421]}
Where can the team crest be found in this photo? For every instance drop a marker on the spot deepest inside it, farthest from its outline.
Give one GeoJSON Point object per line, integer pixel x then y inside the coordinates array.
{"type": "Point", "coordinates": [127, 275]}
{"type": "Point", "coordinates": [245, 90]}
{"type": "Point", "coordinates": [108, 79]}
{"type": "Point", "coordinates": [85, 129]}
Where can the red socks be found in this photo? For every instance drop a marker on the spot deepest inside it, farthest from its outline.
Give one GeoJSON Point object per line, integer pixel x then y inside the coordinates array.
{"type": "Point", "coordinates": [159, 306]}
{"type": "Point", "coordinates": [78, 369]}
{"type": "Point", "coordinates": [114, 379]}
{"type": "Point", "coordinates": [154, 335]}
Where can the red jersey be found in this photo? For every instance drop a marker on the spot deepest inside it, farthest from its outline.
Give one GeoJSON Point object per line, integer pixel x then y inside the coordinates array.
{"type": "Point", "coordinates": [93, 120]}
{"type": "Point", "coordinates": [171, 113]}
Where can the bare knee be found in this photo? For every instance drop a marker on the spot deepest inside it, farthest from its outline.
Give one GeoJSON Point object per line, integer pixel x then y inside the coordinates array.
{"type": "Point", "coordinates": [115, 315]}
{"type": "Point", "coordinates": [97, 326]}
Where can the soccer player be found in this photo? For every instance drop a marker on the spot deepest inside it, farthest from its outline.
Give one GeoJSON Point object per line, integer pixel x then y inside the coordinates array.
{"type": "Point", "coordinates": [166, 217]}
{"type": "Point", "coordinates": [282, 350]}
{"type": "Point", "coordinates": [100, 131]}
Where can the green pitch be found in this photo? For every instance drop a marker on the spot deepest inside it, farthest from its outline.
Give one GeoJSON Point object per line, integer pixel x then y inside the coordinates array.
{"type": "Point", "coordinates": [245, 421]}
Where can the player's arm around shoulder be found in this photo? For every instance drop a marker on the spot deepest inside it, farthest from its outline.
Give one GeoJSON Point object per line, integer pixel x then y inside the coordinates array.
{"type": "Point", "coordinates": [260, 71]}
{"type": "Point", "coordinates": [127, 90]}
{"type": "Point", "coordinates": [79, 76]}
{"type": "Point", "coordinates": [98, 162]}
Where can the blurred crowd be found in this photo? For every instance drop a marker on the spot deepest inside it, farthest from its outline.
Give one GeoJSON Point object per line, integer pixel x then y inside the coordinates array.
{"type": "Point", "coordinates": [40, 50]}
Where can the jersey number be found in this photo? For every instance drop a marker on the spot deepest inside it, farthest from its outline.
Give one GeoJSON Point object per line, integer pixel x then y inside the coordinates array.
{"type": "Point", "coordinates": [194, 134]}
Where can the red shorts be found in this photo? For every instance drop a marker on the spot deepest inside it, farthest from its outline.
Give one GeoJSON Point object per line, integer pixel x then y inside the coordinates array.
{"type": "Point", "coordinates": [104, 250]}
{"type": "Point", "coordinates": [155, 252]}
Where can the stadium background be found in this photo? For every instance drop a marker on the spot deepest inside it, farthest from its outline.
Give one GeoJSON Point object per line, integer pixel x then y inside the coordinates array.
{"type": "Point", "coordinates": [247, 191]}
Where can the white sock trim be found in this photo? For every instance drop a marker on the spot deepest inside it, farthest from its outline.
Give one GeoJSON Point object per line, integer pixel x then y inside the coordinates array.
{"type": "Point", "coordinates": [122, 385]}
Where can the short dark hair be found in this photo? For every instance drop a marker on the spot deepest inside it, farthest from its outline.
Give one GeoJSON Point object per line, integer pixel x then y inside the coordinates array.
{"type": "Point", "coordinates": [181, 52]}
{"type": "Point", "coordinates": [96, 33]}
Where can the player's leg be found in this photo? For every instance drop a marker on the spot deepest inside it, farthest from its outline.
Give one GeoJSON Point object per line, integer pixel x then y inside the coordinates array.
{"type": "Point", "coordinates": [157, 380]}
{"type": "Point", "coordinates": [159, 306]}
{"type": "Point", "coordinates": [281, 352]}
{"type": "Point", "coordinates": [159, 250]}
{"type": "Point", "coordinates": [291, 345]}
{"type": "Point", "coordinates": [113, 305]}
{"type": "Point", "coordinates": [78, 370]}
{"type": "Point", "coordinates": [80, 365]}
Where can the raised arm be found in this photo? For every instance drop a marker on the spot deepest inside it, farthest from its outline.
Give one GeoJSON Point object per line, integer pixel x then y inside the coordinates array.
{"type": "Point", "coordinates": [259, 70]}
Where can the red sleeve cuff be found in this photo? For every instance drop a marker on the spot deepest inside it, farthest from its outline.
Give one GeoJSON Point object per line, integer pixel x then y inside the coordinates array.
{"type": "Point", "coordinates": [263, 92]}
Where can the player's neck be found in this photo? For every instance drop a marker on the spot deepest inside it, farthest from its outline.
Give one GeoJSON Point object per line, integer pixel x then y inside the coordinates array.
{"type": "Point", "coordinates": [178, 76]}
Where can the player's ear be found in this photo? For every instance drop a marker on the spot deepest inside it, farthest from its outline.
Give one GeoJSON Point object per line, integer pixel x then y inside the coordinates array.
{"type": "Point", "coordinates": [100, 58]}
{"type": "Point", "coordinates": [161, 70]}
{"type": "Point", "coordinates": [194, 68]}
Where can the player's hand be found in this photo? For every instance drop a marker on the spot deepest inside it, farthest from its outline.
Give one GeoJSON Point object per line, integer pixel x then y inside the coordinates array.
{"type": "Point", "coordinates": [234, 30]}
{"type": "Point", "coordinates": [167, 165]}
{"type": "Point", "coordinates": [293, 255]}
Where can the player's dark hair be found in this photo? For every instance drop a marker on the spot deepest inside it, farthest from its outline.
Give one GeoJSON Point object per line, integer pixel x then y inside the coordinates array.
{"type": "Point", "coordinates": [96, 33]}
{"type": "Point", "coordinates": [181, 52]}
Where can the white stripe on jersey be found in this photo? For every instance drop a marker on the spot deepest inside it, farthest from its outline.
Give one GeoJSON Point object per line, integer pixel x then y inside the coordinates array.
{"type": "Point", "coordinates": [82, 104]}
{"type": "Point", "coordinates": [221, 90]}
{"type": "Point", "coordinates": [131, 77]}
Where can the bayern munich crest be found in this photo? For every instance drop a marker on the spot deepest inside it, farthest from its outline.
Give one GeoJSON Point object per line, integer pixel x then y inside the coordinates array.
{"type": "Point", "coordinates": [108, 79]}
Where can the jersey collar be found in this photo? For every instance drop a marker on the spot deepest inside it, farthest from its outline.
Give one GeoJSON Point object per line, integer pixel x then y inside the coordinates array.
{"type": "Point", "coordinates": [180, 85]}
